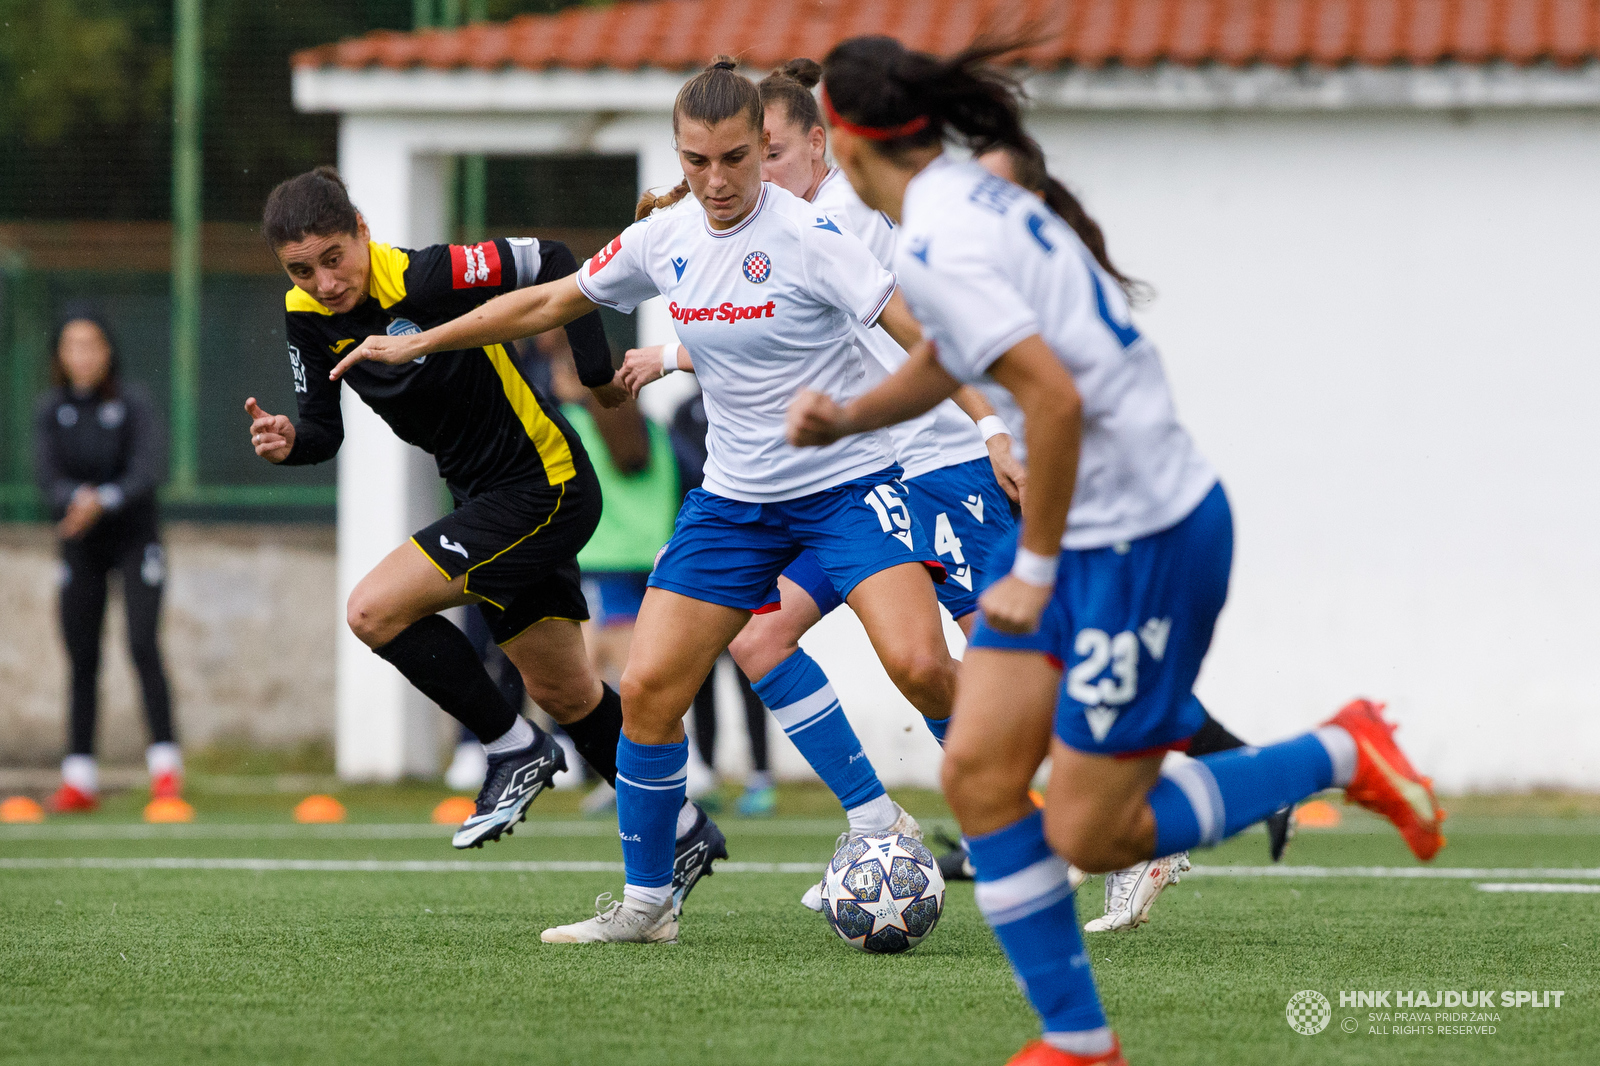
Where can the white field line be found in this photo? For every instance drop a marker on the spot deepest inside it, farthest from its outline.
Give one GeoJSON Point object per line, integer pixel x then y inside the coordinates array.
{"type": "Point", "coordinates": [1534, 886]}
{"type": "Point", "coordinates": [375, 831]}
{"type": "Point", "coordinates": [1404, 873]}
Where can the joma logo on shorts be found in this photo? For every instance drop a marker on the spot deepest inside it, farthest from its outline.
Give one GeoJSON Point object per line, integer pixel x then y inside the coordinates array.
{"type": "Point", "coordinates": [728, 312]}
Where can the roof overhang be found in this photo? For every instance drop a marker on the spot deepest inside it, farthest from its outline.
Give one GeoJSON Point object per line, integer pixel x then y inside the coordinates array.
{"type": "Point", "coordinates": [1159, 88]}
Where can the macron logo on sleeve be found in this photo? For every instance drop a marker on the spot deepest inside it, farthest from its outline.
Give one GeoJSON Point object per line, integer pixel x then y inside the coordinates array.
{"type": "Point", "coordinates": [474, 265]}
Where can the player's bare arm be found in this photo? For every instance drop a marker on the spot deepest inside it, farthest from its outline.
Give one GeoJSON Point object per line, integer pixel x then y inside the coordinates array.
{"type": "Point", "coordinates": [522, 313]}
{"type": "Point", "coordinates": [644, 365]}
{"type": "Point", "coordinates": [914, 389]}
{"type": "Point", "coordinates": [1008, 469]}
{"type": "Point", "coordinates": [1054, 414]}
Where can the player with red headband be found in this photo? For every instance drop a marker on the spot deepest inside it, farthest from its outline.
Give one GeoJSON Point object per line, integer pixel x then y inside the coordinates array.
{"type": "Point", "coordinates": [1087, 651]}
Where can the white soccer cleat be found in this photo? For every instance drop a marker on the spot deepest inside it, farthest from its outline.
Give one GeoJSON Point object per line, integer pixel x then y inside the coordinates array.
{"type": "Point", "coordinates": [905, 825]}
{"type": "Point", "coordinates": [621, 921]}
{"type": "Point", "coordinates": [1132, 892]}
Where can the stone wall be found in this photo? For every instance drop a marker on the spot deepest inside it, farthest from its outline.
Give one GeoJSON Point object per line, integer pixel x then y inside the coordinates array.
{"type": "Point", "coordinates": [247, 630]}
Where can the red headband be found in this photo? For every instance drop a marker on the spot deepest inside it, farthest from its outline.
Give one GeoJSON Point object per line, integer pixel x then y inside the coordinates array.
{"type": "Point", "coordinates": [872, 133]}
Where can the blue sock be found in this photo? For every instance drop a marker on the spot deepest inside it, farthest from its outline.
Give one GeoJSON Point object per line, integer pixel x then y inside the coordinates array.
{"type": "Point", "coordinates": [1205, 800]}
{"type": "Point", "coordinates": [1023, 892]}
{"type": "Point", "coordinates": [803, 702]}
{"type": "Point", "coordinates": [938, 727]}
{"type": "Point", "coordinates": [650, 781]}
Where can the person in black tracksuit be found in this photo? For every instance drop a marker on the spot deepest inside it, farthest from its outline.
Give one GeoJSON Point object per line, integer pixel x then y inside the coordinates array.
{"type": "Point", "coordinates": [98, 453]}
{"type": "Point", "coordinates": [526, 496]}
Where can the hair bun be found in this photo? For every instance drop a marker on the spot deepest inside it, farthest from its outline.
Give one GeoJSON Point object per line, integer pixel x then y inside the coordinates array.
{"type": "Point", "coordinates": [805, 71]}
{"type": "Point", "coordinates": [723, 63]}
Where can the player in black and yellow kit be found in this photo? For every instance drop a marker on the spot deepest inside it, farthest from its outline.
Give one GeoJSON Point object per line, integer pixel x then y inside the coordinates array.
{"type": "Point", "coordinates": [526, 496]}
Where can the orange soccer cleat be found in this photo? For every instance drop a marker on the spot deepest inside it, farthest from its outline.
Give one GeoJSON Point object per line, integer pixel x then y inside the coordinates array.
{"type": "Point", "coordinates": [166, 785]}
{"type": "Point", "coordinates": [1384, 780]}
{"type": "Point", "coordinates": [1038, 1053]}
{"type": "Point", "coordinates": [70, 800]}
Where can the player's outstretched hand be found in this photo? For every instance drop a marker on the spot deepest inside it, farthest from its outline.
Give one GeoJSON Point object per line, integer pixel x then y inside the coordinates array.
{"type": "Point", "coordinates": [1011, 605]}
{"type": "Point", "coordinates": [272, 435]}
{"type": "Point", "coordinates": [1011, 474]}
{"type": "Point", "coordinates": [612, 394]}
{"type": "Point", "coordinates": [378, 348]}
{"type": "Point", "coordinates": [640, 368]}
{"type": "Point", "coordinates": [814, 420]}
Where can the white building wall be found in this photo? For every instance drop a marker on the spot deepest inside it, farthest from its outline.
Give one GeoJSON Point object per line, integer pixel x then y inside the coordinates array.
{"type": "Point", "coordinates": [1382, 330]}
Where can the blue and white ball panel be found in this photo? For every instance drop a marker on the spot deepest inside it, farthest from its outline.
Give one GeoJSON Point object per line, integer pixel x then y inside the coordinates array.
{"type": "Point", "coordinates": [731, 552]}
{"type": "Point", "coordinates": [969, 516]}
{"type": "Point", "coordinates": [614, 596]}
{"type": "Point", "coordinates": [1130, 625]}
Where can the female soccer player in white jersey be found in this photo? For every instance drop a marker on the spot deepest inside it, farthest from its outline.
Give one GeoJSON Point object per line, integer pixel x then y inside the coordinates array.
{"type": "Point", "coordinates": [1122, 562]}
{"type": "Point", "coordinates": [950, 474]}
{"type": "Point", "coordinates": [768, 298]}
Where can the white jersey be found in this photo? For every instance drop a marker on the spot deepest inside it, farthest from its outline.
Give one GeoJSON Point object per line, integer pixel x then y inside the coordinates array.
{"type": "Point", "coordinates": [985, 265]}
{"type": "Point", "coordinates": [767, 308]}
{"type": "Point", "coordinates": [945, 435]}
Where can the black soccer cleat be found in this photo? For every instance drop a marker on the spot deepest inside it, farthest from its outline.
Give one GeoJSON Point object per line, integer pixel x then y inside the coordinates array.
{"type": "Point", "coordinates": [954, 863]}
{"type": "Point", "coordinates": [513, 782]}
{"type": "Point", "coordinates": [1280, 830]}
{"type": "Point", "coordinates": [703, 845]}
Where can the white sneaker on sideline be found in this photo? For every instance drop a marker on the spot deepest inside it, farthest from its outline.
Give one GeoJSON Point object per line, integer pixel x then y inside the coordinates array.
{"type": "Point", "coordinates": [905, 825]}
{"type": "Point", "coordinates": [619, 921]}
{"type": "Point", "coordinates": [468, 767]}
{"type": "Point", "coordinates": [1132, 892]}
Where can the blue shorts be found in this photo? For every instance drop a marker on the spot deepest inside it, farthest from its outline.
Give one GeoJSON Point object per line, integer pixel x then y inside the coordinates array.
{"type": "Point", "coordinates": [1130, 624]}
{"type": "Point", "coordinates": [969, 517]}
{"type": "Point", "coordinates": [614, 596]}
{"type": "Point", "coordinates": [731, 553]}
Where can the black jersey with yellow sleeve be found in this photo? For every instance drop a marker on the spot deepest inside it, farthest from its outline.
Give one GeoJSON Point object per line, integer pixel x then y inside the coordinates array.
{"type": "Point", "coordinates": [472, 410]}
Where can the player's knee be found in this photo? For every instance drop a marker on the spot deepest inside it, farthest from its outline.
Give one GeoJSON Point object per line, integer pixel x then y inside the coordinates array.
{"type": "Point", "coordinates": [368, 618]}
{"type": "Point", "coordinates": [758, 649]}
{"type": "Point", "coordinates": [564, 699]}
{"type": "Point", "coordinates": [1085, 840]}
{"type": "Point", "coordinates": [925, 677]}
{"type": "Point", "coordinates": [976, 785]}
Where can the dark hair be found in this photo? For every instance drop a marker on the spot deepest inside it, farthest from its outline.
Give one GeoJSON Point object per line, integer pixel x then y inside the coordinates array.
{"type": "Point", "coordinates": [315, 203]}
{"type": "Point", "coordinates": [717, 93]}
{"type": "Point", "coordinates": [791, 85]}
{"type": "Point", "coordinates": [1028, 165]}
{"type": "Point", "coordinates": [915, 100]}
{"type": "Point", "coordinates": [111, 384]}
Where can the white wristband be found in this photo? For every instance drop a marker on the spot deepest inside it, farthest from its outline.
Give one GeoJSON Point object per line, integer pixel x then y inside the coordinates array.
{"type": "Point", "coordinates": [1035, 569]}
{"type": "Point", "coordinates": [669, 357]}
{"type": "Point", "coordinates": [992, 426]}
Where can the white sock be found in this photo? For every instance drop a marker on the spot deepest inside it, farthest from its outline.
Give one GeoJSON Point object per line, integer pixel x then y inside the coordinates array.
{"type": "Point", "coordinates": [688, 814]}
{"type": "Point", "coordinates": [652, 897]}
{"type": "Point", "coordinates": [81, 773]}
{"type": "Point", "coordinates": [163, 758]}
{"type": "Point", "coordinates": [1341, 749]}
{"type": "Point", "coordinates": [873, 816]}
{"type": "Point", "coordinates": [1083, 1042]}
{"type": "Point", "coordinates": [519, 736]}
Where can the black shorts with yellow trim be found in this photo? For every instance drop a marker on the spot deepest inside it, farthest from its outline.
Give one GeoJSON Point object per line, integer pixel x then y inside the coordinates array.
{"type": "Point", "coordinates": [518, 547]}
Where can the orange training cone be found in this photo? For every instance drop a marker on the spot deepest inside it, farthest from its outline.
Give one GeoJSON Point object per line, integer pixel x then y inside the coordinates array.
{"type": "Point", "coordinates": [168, 809]}
{"type": "Point", "coordinates": [20, 809]}
{"type": "Point", "coordinates": [318, 809]}
{"type": "Point", "coordinates": [1317, 814]}
{"type": "Point", "coordinates": [454, 811]}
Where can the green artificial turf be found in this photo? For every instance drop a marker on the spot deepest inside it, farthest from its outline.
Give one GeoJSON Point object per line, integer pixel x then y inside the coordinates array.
{"type": "Point", "coordinates": [226, 966]}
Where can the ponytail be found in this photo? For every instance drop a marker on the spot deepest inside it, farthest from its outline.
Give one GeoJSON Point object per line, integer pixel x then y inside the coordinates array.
{"type": "Point", "coordinates": [649, 201]}
{"type": "Point", "coordinates": [791, 85]}
{"type": "Point", "coordinates": [717, 93]}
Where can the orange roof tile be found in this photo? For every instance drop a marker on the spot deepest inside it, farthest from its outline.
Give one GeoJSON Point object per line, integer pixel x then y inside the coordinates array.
{"type": "Point", "coordinates": [683, 34]}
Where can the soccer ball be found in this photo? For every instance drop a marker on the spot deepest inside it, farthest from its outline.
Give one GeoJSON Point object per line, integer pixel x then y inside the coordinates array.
{"type": "Point", "coordinates": [883, 894]}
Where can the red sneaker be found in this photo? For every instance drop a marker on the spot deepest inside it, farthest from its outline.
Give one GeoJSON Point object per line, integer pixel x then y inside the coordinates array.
{"type": "Point", "coordinates": [1038, 1053]}
{"type": "Point", "coordinates": [1385, 782]}
{"type": "Point", "coordinates": [166, 785]}
{"type": "Point", "coordinates": [69, 800]}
